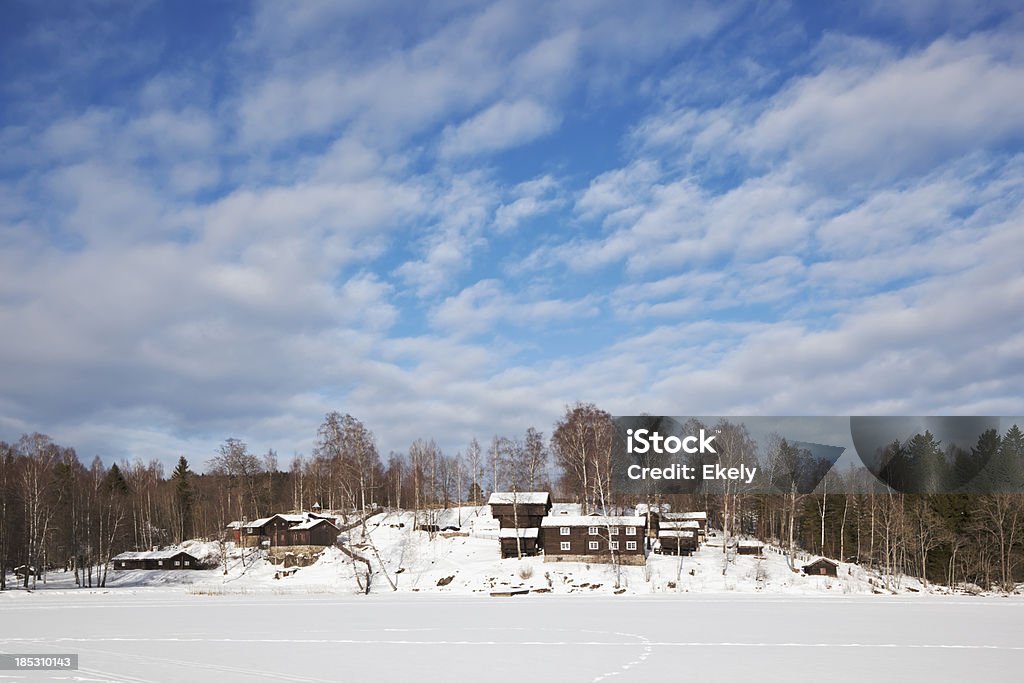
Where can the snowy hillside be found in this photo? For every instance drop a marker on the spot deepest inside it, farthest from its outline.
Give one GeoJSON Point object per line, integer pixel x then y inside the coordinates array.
{"type": "Point", "coordinates": [467, 562]}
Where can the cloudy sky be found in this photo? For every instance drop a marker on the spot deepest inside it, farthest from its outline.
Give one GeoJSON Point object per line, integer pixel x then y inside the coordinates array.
{"type": "Point", "coordinates": [452, 218]}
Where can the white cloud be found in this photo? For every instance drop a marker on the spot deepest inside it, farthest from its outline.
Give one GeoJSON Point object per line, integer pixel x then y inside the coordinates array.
{"type": "Point", "coordinates": [486, 304]}
{"type": "Point", "coordinates": [503, 125]}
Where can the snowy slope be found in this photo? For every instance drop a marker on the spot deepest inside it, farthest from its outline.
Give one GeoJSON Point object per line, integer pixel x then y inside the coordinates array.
{"type": "Point", "coordinates": [467, 562]}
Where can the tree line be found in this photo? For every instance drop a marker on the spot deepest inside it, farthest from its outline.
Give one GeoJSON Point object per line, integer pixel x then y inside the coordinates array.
{"type": "Point", "coordinates": [58, 513]}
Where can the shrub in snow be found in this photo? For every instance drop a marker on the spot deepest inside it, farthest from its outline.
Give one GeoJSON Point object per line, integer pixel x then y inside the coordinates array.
{"type": "Point", "coordinates": [526, 571]}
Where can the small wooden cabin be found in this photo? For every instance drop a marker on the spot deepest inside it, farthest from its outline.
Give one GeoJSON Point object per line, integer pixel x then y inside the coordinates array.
{"type": "Point", "coordinates": [677, 541]}
{"type": "Point", "coordinates": [701, 518]}
{"type": "Point", "coordinates": [527, 541]}
{"type": "Point", "coordinates": [821, 567]}
{"type": "Point", "coordinates": [156, 559]}
{"type": "Point", "coordinates": [749, 548]}
{"type": "Point", "coordinates": [522, 509]}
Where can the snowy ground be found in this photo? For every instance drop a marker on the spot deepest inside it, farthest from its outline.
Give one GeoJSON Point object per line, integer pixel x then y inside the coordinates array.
{"type": "Point", "coordinates": [166, 635]}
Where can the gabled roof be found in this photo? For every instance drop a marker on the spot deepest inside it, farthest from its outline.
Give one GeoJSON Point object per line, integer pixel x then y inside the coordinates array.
{"type": "Point", "coordinates": [591, 520]}
{"type": "Point", "coordinates": [519, 498]}
{"type": "Point", "coordinates": [289, 518]}
{"type": "Point", "coordinates": [679, 525]}
{"type": "Point", "coordinates": [683, 516]}
{"type": "Point", "coordinates": [821, 560]}
{"type": "Point", "coordinates": [152, 555]}
{"type": "Point", "coordinates": [310, 523]}
{"type": "Point", "coordinates": [676, 533]}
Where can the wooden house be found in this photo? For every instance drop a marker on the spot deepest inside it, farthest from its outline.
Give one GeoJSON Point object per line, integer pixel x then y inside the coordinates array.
{"type": "Point", "coordinates": [291, 529]}
{"type": "Point", "coordinates": [593, 538]}
{"type": "Point", "coordinates": [677, 541]}
{"type": "Point", "coordinates": [701, 518]}
{"type": "Point", "coordinates": [156, 559]}
{"type": "Point", "coordinates": [523, 509]}
{"type": "Point", "coordinates": [527, 543]}
{"type": "Point", "coordinates": [749, 548]}
{"type": "Point", "coordinates": [272, 530]}
{"type": "Point", "coordinates": [821, 567]}
{"type": "Point", "coordinates": [314, 531]}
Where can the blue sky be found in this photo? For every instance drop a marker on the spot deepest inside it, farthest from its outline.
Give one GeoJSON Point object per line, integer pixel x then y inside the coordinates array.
{"type": "Point", "coordinates": [451, 219]}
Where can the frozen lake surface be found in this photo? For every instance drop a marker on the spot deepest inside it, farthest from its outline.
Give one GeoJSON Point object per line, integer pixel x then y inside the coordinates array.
{"type": "Point", "coordinates": [165, 635]}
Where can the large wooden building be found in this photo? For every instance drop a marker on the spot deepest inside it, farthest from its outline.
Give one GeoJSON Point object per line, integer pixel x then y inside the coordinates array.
{"type": "Point", "coordinates": [174, 558]}
{"type": "Point", "coordinates": [522, 509]}
{"type": "Point", "coordinates": [593, 538]}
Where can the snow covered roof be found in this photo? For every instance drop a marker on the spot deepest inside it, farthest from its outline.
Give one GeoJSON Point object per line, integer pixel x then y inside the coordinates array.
{"type": "Point", "coordinates": [150, 555]}
{"type": "Point", "coordinates": [574, 509]}
{"type": "Point", "coordinates": [309, 524]}
{"type": "Point", "coordinates": [820, 560]}
{"type": "Point", "coordinates": [686, 515]}
{"type": "Point", "coordinates": [679, 525]}
{"type": "Point", "coordinates": [290, 518]}
{"type": "Point", "coordinates": [591, 520]}
{"type": "Point", "coordinates": [523, 533]}
{"type": "Point", "coordinates": [675, 533]}
{"type": "Point", "coordinates": [519, 498]}
{"type": "Point", "coordinates": [234, 525]}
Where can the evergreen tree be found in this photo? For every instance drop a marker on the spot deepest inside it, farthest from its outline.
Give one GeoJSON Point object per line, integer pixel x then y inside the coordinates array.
{"type": "Point", "coordinates": [184, 496]}
{"type": "Point", "coordinates": [989, 473]}
{"type": "Point", "coordinates": [1011, 458]}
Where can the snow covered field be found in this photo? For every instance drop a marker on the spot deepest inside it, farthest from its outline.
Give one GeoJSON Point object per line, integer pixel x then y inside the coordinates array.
{"type": "Point", "coordinates": [164, 635]}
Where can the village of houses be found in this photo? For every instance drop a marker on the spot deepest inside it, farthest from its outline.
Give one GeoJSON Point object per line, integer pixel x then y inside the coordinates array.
{"type": "Point", "coordinates": [516, 544]}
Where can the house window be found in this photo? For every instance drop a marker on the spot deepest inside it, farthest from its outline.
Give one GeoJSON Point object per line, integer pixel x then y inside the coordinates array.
{"type": "Point", "coordinates": [123, 564]}
{"type": "Point", "coordinates": [592, 531]}
{"type": "Point", "coordinates": [177, 563]}
{"type": "Point", "coordinates": [159, 563]}
{"type": "Point", "coordinates": [614, 531]}
{"type": "Point", "coordinates": [593, 545]}
{"type": "Point", "coordinates": [630, 545]}
{"type": "Point", "coordinates": [613, 545]}
{"type": "Point", "coordinates": [566, 545]}
{"type": "Point", "coordinates": [188, 563]}
{"type": "Point", "coordinates": [564, 530]}
{"type": "Point", "coordinates": [631, 531]}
